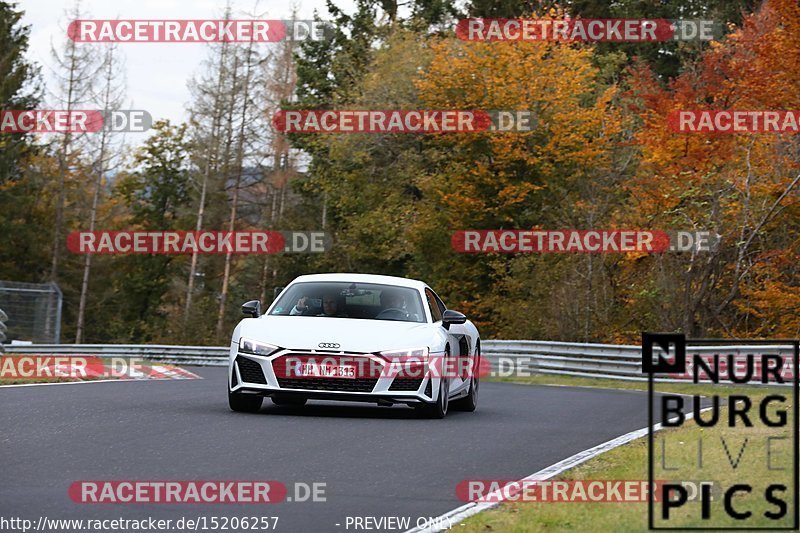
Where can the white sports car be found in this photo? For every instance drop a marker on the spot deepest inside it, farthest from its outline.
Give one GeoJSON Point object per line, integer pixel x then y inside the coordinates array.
{"type": "Point", "coordinates": [356, 337]}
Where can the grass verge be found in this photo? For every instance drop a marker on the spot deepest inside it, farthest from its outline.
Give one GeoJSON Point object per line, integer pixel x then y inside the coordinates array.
{"type": "Point", "coordinates": [722, 448]}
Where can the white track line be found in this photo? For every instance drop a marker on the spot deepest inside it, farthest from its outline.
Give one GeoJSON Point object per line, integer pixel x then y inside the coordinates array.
{"type": "Point", "coordinates": [596, 387]}
{"type": "Point", "coordinates": [459, 514]}
{"type": "Point", "coordinates": [66, 383]}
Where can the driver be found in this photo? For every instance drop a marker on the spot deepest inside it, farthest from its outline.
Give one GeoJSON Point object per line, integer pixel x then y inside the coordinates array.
{"type": "Point", "coordinates": [392, 300]}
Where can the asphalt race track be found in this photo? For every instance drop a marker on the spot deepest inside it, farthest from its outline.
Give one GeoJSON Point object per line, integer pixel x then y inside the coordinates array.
{"type": "Point", "coordinates": [375, 461]}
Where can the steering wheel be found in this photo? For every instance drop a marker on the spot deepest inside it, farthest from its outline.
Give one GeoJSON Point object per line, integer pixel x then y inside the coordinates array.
{"type": "Point", "coordinates": [393, 313]}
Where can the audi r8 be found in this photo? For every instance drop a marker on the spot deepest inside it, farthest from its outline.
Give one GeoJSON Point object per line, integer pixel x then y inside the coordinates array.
{"type": "Point", "coordinates": [355, 337]}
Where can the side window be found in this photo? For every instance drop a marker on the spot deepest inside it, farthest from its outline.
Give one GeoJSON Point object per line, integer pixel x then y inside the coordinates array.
{"type": "Point", "coordinates": [440, 303]}
{"type": "Point", "coordinates": [433, 305]}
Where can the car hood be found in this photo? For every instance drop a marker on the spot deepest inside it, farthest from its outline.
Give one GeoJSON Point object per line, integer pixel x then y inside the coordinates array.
{"type": "Point", "coordinates": [352, 334]}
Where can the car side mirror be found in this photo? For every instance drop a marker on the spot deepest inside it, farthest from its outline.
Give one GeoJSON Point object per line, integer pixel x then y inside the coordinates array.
{"type": "Point", "coordinates": [452, 317]}
{"type": "Point", "coordinates": [252, 308]}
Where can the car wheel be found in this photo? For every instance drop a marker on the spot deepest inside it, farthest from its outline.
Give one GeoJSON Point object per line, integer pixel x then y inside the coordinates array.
{"type": "Point", "coordinates": [244, 403]}
{"type": "Point", "coordinates": [470, 402]}
{"type": "Point", "coordinates": [439, 408]}
{"type": "Point", "coordinates": [289, 401]}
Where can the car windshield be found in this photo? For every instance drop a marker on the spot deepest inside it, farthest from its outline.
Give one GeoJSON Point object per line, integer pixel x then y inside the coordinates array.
{"type": "Point", "coordinates": [350, 300]}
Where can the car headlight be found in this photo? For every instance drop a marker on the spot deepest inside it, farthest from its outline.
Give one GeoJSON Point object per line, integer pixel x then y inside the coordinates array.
{"type": "Point", "coordinates": [414, 354]}
{"type": "Point", "coordinates": [256, 348]}
{"type": "Point", "coordinates": [410, 363]}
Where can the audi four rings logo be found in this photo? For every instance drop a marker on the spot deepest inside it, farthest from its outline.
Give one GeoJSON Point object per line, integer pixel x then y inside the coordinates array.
{"type": "Point", "coordinates": [328, 345]}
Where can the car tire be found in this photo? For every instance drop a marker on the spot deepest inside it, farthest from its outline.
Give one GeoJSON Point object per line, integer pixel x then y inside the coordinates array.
{"type": "Point", "coordinates": [289, 401]}
{"type": "Point", "coordinates": [439, 408]}
{"type": "Point", "coordinates": [470, 402]}
{"type": "Point", "coordinates": [244, 403]}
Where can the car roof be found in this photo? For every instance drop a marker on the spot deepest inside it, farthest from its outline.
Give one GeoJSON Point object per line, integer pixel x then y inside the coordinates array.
{"type": "Point", "coordinates": [363, 278]}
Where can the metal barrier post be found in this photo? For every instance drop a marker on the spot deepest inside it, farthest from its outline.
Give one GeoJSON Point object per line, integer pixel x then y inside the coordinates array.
{"type": "Point", "coordinates": [3, 329]}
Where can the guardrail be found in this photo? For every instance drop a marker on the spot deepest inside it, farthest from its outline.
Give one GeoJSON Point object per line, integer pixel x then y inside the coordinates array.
{"type": "Point", "coordinates": [162, 353]}
{"type": "Point", "coordinates": [505, 356]}
{"type": "Point", "coordinates": [564, 358]}
{"type": "Point", "coordinates": [614, 361]}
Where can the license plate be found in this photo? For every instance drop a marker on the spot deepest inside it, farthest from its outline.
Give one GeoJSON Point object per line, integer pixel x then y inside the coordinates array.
{"type": "Point", "coordinates": [327, 371]}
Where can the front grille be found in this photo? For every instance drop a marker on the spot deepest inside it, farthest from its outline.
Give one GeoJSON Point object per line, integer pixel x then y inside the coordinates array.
{"type": "Point", "coordinates": [250, 371]}
{"type": "Point", "coordinates": [329, 384]}
{"type": "Point", "coordinates": [406, 384]}
{"type": "Point", "coordinates": [367, 373]}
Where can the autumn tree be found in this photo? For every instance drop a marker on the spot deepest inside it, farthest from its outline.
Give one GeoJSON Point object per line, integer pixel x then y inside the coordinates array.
{"type": "Point", "coordinates": [561, 174]}
{"type": "Point", "coordinates": [743, 187]}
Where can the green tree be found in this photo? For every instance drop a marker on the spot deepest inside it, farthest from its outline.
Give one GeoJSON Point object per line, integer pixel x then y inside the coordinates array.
{"type": "Point", "coordinates": [19, 88]}
{"type": "Point", "coordinates": [665, 58]}
{"type": "Point", "coordinates": [24, 171]}
{"type": "Point", "coordinates": [155, 195]}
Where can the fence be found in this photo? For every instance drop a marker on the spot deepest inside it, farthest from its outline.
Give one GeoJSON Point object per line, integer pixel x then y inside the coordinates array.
{"type": "Point", "coordinates": [183, 355]}
{"type": "Point", "coordinates": [514, 357]}
{"type": "Point", "coordinates": [33, 309]}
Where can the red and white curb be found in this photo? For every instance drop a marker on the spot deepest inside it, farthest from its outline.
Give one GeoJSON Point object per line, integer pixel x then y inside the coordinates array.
{"type": "Point", "coordinates": [138, 372]}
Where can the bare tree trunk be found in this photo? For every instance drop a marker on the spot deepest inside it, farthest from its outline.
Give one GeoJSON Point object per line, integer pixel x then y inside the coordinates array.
{"type": "Point", "coordinates": [110, 100]}
{"type": "Point", "coordinates": [198, 226]}
{"type": "Point", "coordinates": [281, 89]}
{"type": "Point", "coordinates": [243, 119]}
{"type": "Point", "coordinates": [78, 65]}
{"type": "Point", "coordinates": [587, 310]}
{"type": "Point", "coordinates": [324, 208]}
{"type": "Point", "coordinates": [283, 201]}
{"type": "Point", "coordinates": [60, 201]}
{"type": "Point", "coordinates": [264, 271]}
{"type": "Point", "coordinates": [63, 158]}
{"type": "Point", "coordinates": [211, 160]}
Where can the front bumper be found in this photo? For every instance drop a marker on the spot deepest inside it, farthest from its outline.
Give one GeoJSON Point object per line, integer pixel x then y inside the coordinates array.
{"type": "Point", "coordinates": [254, 374]}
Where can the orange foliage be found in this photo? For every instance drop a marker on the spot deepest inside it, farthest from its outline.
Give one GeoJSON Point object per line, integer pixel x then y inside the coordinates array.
{"type": "Point", "coordinates": [496, 174]}
{"type": "Point", "coordinates": [729, 183]}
